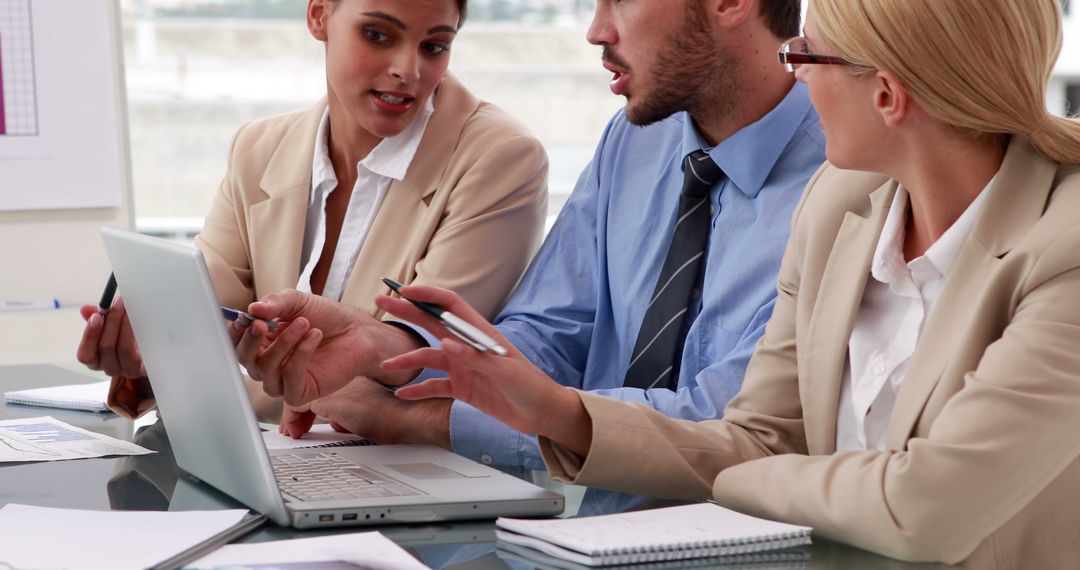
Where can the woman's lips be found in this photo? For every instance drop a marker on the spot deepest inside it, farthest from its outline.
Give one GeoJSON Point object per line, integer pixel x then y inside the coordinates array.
{"type": "Point", "coordinates": [392, 102]}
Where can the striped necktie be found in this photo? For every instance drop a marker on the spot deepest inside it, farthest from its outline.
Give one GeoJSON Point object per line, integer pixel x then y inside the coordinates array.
{"type": "Point", "coordinates": [657, 353]}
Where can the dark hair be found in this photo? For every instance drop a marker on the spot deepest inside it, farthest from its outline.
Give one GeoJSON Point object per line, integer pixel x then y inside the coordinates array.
{"type": "Point", "coordinates": [782, 16]}
{"type": "Point", "coordinates": [463, 10]}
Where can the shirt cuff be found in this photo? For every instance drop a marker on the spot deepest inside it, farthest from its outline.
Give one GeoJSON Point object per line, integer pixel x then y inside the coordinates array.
{"type": "Point", "coordinates": [563, 464]}
{"type": "Point", "coordinates": [482, 438]}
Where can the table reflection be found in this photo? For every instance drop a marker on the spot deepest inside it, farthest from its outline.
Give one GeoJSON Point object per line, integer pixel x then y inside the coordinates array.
{"type": "Point", "coordinates": [153, 482]}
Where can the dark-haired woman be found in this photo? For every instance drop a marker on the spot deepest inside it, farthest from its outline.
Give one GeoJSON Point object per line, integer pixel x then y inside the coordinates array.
{"type": "Point", "coordinates": [399, 172]}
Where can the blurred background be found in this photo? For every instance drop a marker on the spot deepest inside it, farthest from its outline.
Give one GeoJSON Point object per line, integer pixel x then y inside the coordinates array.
{"type": "Point", "coordinates": [198, 69]}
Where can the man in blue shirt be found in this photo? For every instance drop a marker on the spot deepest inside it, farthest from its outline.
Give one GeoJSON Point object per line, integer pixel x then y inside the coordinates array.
{"type": "Point", "coordinates": [697, 74]}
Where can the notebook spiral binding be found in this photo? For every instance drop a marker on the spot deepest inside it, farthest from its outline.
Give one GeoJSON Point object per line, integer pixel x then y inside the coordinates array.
{"type": "Point", "coordinates": [346, 443]}
{"type": "Point", "coordinates": [702, 549]}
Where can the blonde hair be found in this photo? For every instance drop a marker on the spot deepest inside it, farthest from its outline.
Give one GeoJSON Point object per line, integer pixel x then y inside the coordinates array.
{"type": "Point", "coordinates": [981, 66]}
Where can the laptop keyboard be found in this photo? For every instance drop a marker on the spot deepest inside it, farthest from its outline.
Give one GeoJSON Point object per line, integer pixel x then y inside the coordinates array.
{"type": "Point", "coordinates": [329, 477]}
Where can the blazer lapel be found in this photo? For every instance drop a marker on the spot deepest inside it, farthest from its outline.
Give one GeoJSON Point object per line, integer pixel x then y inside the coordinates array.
{"type": "Point", "coordinates": [454, 106]}
{"type": "Point", "coordinates": [277, 223]}
{"type": "Point", "coordinates": [387, 249]}
{"type": "Point", "coordinates": [1016, 201]}
{"type": "Point", "coordinates": [401, 220]}
{"type": "Point", "coordinates": [944, 327]}
{"type": "Point", "coordinates": [839, 296]}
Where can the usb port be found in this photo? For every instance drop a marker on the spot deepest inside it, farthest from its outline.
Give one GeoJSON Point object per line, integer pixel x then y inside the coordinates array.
{"type": "Point", "coordinates": [348, 517]}
{"type": "Point", "coordinates": [326, 518]}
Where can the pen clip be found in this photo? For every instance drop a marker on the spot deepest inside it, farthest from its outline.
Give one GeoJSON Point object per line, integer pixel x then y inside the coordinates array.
{"type": "Point", "coordinates": [457, 326]}
{"type": "Point", "coordinates": [463, 337]}
{"type": "Point", "coordinates": [477, 338]}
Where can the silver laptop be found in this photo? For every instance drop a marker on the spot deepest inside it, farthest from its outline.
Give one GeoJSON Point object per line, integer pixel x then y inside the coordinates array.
{"type": "Point", "coordinates": [214, 434]}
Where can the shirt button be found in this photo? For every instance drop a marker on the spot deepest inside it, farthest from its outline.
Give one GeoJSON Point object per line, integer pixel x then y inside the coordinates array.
{"type": "Point", "coordinates": [879, 369]}
{"type": "Point", "coordinates": [486, 459]}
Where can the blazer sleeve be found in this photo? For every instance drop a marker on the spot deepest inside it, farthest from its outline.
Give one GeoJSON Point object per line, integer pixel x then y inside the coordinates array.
{"type": "Point", "coordinates": [636, 449]}
{"type": "Point", "coordinates": [225, 243]}
{"type": "Point", "coordinates": [492, 223]}
{"type": "Point", "coordinates": [995, 445]}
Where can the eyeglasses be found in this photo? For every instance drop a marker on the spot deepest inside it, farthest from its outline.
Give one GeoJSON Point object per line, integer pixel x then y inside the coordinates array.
{"type": "Point", "coordinates": [796, 52]}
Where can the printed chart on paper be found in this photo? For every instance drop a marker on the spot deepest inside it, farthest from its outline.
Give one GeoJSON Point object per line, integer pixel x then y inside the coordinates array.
{"type": "Point", "coordinates": [18, 92]}
{"type": "Point", "coordinates": [48, 439]}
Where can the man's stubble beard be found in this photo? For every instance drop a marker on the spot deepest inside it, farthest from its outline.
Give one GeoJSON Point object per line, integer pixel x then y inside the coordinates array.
{"type": "Point", "coordinates": [690, 74]}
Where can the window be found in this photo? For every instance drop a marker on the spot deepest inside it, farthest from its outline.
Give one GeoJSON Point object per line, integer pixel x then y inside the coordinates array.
{"type": "Point", "coordinates": [1072, 99]}
{"type": "Point", "coordinates": [198, 69]}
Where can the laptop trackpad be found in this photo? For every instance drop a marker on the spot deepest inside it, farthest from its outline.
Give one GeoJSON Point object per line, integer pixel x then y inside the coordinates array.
{"type": "Point", "coordinates": [425, 471]}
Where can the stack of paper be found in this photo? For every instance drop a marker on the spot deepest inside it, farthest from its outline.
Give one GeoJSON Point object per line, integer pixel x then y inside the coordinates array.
{"type": "Point", "coordinates": [38, 537]}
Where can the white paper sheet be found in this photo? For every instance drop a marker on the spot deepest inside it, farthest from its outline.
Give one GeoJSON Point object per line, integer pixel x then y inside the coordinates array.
{"type": "Point", "coordinates": [39, 537]}
{"type": "Point", "coordinates": [48, 439]}
{"type": "Point", "coordinates": [321, 435]}
{"type": "Point", "coordinates": [367, 550]}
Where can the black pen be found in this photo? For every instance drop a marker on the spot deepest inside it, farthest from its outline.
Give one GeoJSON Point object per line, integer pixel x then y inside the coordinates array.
{"type": "Point", "coordinates": [471, 335]}
{"type": "Point", "coordinates": [107, 295]}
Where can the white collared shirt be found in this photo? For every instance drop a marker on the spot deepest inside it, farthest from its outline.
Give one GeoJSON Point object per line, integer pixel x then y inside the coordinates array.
{"type": "Point", "coordinates": [891, 316]}
{"type": "Point", "coordinates": [387, 162]}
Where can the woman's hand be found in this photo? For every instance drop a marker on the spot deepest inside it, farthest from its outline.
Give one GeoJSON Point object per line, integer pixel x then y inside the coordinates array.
{"type": "Point", "coordinates": [508, 388]}
{"type": "Point", "coordinates": [108, 344]}
{"type": "Point", "coordinates": [318, 348]}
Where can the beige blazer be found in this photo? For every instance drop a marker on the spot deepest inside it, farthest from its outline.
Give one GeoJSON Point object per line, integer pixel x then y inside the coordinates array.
{"type": "Point", "coordinates": [468, 216]}
{"type": "Point", "coordinates": [981, 460]}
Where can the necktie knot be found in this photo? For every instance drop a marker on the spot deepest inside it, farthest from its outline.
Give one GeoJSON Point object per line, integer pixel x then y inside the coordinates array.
{"type": "Point", "coordinates": [700, 174]}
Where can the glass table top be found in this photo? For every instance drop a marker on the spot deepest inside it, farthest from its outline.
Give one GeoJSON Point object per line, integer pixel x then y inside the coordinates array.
{"type": "Point", "coordinates": [154, 482]}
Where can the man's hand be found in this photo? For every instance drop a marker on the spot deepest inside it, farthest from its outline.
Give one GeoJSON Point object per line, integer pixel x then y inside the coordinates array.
{"type": "Point", "coordinates": [296, 421]}
{"type": "Point", "coordinates": [319, 347]}
{"type": "Point", "coordinates": [367, 409]}
{"type": "Point", "coordinates": [509, 388]}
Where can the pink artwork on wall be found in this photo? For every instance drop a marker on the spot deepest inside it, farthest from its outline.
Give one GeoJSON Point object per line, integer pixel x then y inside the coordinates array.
{"type": "Point", "coordinates": [3, 113]}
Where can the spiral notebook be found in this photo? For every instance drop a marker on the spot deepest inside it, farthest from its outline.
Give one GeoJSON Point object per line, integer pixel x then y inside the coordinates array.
{"type": "Point", "coordinates": [87, 397]}
{"type": "Point", "coordinates": [674, 533]}
{"type": "Point", "coordinates": [797, 558]}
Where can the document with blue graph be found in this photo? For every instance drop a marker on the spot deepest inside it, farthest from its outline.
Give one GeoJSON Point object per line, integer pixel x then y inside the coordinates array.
{"type": "Point", "coordinates": [47, 439]}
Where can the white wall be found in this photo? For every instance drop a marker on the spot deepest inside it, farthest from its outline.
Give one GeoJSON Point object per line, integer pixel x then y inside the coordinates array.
{"type": "Point", "coordinates": [48, 254]}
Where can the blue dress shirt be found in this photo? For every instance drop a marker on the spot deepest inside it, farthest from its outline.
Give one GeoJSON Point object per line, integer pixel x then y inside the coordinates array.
{"type": "Point", "coordinates": [577, 311]}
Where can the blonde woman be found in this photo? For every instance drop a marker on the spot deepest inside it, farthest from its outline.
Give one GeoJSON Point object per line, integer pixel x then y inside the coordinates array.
{"type": "Point", "coordinates": [917, 391]}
